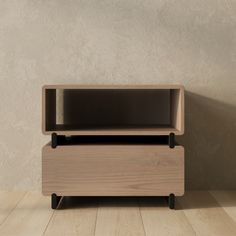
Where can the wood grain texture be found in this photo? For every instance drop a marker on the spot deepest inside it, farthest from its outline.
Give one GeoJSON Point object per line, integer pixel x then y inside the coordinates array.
{"type": "Point", "coordinates": [75, 216]}
{"type": "Point", "coordinates": [8, 201]}
{"type": "Point", "coordinates": [113, 170]}
{"type": "Point", "coordinates": [119, 216]}
{"type": "Point", "coordinates": [206, 216]}
{"type": "Point", "coordinates": [227, 200]}
{"type": "Point", "coordinates": [158, 219]}
{"type": "Point", "coordinates": [114, 86]}
{"type": "Point", "coordinates": [30, 217]}
{"type": "Point", "coordinates": [61, 130]}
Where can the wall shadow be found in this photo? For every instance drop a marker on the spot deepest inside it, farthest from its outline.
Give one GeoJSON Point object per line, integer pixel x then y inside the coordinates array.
{"type": "Point", "coordinates": [209, 140]}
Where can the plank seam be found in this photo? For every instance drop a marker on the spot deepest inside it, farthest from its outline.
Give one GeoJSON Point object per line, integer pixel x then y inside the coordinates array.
{"type": "Point", "coordinates": [51, 218]}
{"type": "Point", "coordinates": [95, 226]}
{"type": "Point", "coordinates": [13, 208]}
{"type": "Point", "coordinates": [222, 207]}
{"type": "Point", "coordinates": [182, 209]}
{"type": "Point", "coordinates": [141, 217]}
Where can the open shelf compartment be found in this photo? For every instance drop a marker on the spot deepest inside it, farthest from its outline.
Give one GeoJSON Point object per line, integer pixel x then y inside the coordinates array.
{"type": "Point", "coordinates": [113, 110]}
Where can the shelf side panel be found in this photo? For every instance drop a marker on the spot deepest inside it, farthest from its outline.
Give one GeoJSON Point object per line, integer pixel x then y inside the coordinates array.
{"type": "Point", "coordinates": [49, 110]}
{"type": "Point", "coordinates": [177, 110]}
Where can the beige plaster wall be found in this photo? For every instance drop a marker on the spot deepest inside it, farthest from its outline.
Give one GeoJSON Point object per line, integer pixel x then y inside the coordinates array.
{"type": "Point", "coordinates": [120, 41]}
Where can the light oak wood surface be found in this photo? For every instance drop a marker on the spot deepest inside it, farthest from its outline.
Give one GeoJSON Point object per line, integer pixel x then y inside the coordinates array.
{"type": "Point", "coordinates": [117, 131]}
{"type": "Point", "coordinates": [29, 217]}
{"type": "Point", "coordinates": [113, 86]}
{"type": "Point", "coordinates": [113, 170]}
{"type": "Point", "coordinates": [206, 216]}
{"type": "Point", "coordinates": [163, 221]}
{"type": "Point", "coordinates": [75, 217]}
{"type": "Point", "coordinates": [197, 213]}
{"type": "Point", "coordinates": [227, 200]}
{"type": "Point", "coordinates": [8, 202]}
{"type": "Point", "coordinates": [119, 216]}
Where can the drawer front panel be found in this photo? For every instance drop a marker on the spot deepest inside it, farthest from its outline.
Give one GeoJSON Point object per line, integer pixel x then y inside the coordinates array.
{"type": "Point", "coordinates": [113, 170]}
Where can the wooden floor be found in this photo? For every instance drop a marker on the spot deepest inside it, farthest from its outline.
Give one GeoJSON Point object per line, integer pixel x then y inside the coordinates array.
{"type": "Point", "coordinates": [198, 213]}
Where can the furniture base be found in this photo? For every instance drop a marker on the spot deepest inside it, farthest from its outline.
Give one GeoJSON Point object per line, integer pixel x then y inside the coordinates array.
{"type": "Point", "coordinates": [55, 200]}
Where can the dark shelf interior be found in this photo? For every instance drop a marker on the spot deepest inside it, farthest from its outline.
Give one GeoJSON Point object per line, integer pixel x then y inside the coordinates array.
{"type": "Point", "coordinates": [111, 110]}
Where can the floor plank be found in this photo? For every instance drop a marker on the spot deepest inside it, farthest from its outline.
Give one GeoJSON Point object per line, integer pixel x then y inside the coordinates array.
{"type": "Point", "coordinates": [119, 216]}
{"type": "Point", "coordinates": [158, 219]}
{"type": "Point", "coordinates": [227, 200]}
{"type": "Point", "coordinates": [30, 217]}
{"type": "Point", "coordinates": [202, 213]}
{"type": "Point", "coordinates": [75, 216]}
{"type": "Point", "coordinates": [8, 201]}
{"type": "Point", "coordinates": [206, 216]}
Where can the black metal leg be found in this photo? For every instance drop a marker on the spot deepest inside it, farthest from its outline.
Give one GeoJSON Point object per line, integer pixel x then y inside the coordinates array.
{"type": "Point", "coordinates": [171, 201]}
{"type": "Point", "coordinates": [171, 140]}
{"type": "Point", "coordinates": [55, 201]}
{"type": "Point", "coordinates": [54, 140]}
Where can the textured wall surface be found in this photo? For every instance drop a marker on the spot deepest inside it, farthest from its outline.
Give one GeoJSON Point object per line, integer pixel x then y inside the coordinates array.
{"type": "Point", "coordinates": [120, 41]}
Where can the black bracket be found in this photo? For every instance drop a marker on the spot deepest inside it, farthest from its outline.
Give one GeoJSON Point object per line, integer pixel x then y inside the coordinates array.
{"type": "Point", "coordinates": [54, 140]}
{"type": "Point", "coordinates": [171, 201]}
{"type": "Point", "coordinates": [171, 140]}
{"type": "Point", "coordinates": [55, 201]}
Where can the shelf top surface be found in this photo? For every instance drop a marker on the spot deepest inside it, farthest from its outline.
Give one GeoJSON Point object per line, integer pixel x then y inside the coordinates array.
{"type": "Point", "coordinates": [61, 130]}
{"type": "Point", "coordinates": [114, 86]}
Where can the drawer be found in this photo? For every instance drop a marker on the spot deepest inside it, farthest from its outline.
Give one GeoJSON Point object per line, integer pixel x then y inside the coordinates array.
{"type": "Point", "coordinates": [113, 170]}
